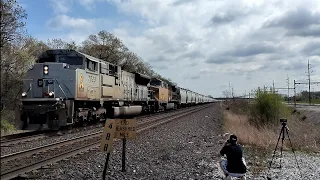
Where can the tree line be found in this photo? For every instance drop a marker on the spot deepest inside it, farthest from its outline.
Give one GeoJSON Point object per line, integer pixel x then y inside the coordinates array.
{"type": "Point", "coordinates": [19, 50]}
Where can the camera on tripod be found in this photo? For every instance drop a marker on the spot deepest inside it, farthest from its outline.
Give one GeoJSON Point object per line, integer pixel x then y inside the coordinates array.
{"type": "Point", "coordinates": [283, 120]}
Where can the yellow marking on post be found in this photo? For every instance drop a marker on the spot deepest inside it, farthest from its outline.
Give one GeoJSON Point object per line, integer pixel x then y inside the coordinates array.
{"type": "Point", "coordinates": [107, 136]}
{"type": "Point", "coordinates": [126, 128]}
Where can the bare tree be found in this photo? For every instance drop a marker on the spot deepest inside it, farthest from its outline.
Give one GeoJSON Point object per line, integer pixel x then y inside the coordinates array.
{"type": "Point", "coordinates": [12, 16]}
{"type": "Point", "coordinates": [61, 44]}
{"type": "Point", "coordinates": [105, 46]}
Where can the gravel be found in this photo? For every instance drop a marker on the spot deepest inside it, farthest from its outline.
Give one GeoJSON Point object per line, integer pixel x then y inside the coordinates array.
{"type": "Point", "coordinates": [309, 165]}
{"type": "Point", "coordinates": [186, 148]}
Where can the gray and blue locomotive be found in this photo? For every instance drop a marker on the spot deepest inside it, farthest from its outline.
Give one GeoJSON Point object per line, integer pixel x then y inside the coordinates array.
{"type": "Point", "coordinates": [67, 87]}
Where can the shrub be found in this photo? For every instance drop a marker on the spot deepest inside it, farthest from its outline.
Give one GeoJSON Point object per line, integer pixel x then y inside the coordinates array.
{"type": "Point", "coordinates": [6, 118]}
{"type": "Point", "coordinates": [267, 108]}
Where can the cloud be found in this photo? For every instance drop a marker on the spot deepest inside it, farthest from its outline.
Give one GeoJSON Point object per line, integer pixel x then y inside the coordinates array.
{"type": "Point", "coordinates": [182, 2]}
{"type": "Point", "coordinates": [252, 49]}
{"type": "Point", "coordinates": [312, 49]}
{"type": "Point", "coordinates": [66, 6]}
{"type": "Point", "coordinates": [211, 42]}
{"type": "Point", "coordinates": [195, 77]}
{"type": "Point", "coordinates": [228, 16]}
{"type": "Point", "coordinates": [300, 21]}
{"type": "Point", "coordinates": [220, 59]}
{"type": "Point", "coordinates": [61, 22]}
{"type": "Point", "coordinates": [61, 6]}
{"type": "Point", "coordinates": [295, 19]}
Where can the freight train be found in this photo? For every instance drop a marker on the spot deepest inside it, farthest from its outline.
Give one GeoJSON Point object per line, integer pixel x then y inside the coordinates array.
{"type": "Point", "coordinates": [67, 87]}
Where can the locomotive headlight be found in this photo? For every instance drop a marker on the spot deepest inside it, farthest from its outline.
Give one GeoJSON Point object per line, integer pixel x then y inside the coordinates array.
{"type": "Point", "coordinates": [24, 94]}
{"type": "Point", "coordinates": [45, 69]}
{"type": "Point", "coordinates": [51, 93]}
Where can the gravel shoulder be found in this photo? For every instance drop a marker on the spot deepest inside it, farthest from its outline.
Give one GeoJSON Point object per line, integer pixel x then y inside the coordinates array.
{"type": "Point", "coordinates": [186, 148]}
{"type": "Point", "coordinates": [309, 164]}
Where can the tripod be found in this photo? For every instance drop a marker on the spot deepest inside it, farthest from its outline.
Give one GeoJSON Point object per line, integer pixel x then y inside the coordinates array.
{"type": "Point", "coordinates": [284, 130]}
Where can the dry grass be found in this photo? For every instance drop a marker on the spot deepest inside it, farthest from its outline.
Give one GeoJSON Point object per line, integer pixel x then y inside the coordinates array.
{"type": "Point", "coordinates": [304, 135]}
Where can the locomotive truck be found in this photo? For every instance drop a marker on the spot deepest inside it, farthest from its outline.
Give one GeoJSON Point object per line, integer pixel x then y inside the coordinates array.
{"type": "Point", "coordinates": [67, 87]}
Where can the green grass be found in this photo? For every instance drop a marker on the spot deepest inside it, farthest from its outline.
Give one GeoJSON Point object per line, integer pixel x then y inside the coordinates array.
{"type": "Point", "coordinates": [305, 101]}
{"type": "Point", "coordinates": [313, 101]}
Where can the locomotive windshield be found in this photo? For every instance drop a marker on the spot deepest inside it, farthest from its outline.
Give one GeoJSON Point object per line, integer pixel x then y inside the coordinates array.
{"type": "Point", "coordinates": [46, 59]}
{"type": "Point", "coordinates": [155, 83]}
{"type": "Point", "coordinates": [71, 60]}
{"type": "Point", "coordinates": [62, 59]}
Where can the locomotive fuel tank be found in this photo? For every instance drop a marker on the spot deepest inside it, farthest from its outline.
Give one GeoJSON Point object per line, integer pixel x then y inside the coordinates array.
{"type": "Point", "coordinates": [170, 106]}
{"type": "Point", "coordinates": [126, 111]}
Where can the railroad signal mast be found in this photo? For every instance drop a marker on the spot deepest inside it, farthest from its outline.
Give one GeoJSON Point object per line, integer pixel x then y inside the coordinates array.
{"type": "Point", "coordinates": [309, 83]}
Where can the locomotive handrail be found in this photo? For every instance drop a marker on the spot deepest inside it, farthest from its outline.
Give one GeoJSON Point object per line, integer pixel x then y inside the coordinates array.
{"type": "Point", "coordinates": [67, 89]}
{"type": "Point", "coordinates": [30, 85]}
{"type": "Point", "coordinates": [61, 88]}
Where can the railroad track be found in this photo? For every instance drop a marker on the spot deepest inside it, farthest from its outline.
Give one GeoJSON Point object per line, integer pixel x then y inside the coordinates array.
{"type": "Point", "coordinates": [11, 140]}
{"type": "Point", "coordinates": [15, 164]}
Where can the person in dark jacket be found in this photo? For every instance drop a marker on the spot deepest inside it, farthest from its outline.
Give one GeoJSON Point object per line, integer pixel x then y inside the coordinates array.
{"type": "Point", "coordinates": [234, 165]}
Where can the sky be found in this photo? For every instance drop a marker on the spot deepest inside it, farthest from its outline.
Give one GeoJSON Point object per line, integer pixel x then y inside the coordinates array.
{"type": "Point", "coordinates": [202, 45]}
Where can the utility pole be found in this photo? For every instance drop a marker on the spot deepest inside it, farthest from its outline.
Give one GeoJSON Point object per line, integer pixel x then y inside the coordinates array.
{"type": "Point", "coordinates": [295, 95]}
{"type": "Point", "coordinates": [229, 89]}
{"type": "Point", "coordinates": [288, 83]}
{"type": "Point", "coordinates": [273, 91]}
{"type": "Point", "coordinates": [309, 81]}
{"type": "Point", "coordinates": [232, 94]}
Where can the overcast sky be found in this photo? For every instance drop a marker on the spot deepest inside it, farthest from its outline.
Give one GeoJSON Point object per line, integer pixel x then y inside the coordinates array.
{"type": "Point", "coordinates": [200, 44]}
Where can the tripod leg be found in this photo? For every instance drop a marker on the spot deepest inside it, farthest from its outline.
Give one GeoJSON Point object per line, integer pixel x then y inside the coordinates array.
{"type": "Point", "coordinates": [294, 152]}
{"type": "Point", "coordinates": [281, 149]}
{"type": "Point", "coordinates": [274, 152]}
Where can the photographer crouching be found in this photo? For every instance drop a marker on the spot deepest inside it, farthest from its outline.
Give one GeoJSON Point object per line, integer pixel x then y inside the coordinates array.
{"type": "Point", "coordinates": [235, 165]}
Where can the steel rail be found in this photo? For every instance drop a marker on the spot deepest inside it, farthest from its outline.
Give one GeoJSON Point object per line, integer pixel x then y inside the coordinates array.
{"type": "Point", "coordinates": [8, 142]}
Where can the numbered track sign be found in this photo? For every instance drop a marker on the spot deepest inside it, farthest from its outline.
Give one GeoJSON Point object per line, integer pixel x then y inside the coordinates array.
{"type": "Point", "coordinates": [107, 136]}
{"type": "Point", "coordinates": [126, 128]}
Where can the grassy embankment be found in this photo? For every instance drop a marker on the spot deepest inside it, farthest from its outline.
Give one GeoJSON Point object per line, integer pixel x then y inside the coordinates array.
{"type": "Point", "coordinates": [258, 127]}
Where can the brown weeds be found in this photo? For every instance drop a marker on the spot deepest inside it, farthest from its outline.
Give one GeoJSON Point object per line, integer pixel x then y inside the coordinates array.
{"type": "Point", "coordinates": [304, 135]}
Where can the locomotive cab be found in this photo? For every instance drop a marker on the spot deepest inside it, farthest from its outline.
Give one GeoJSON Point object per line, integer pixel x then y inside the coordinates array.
{"type": "Point", "coordinates": [161, 94]}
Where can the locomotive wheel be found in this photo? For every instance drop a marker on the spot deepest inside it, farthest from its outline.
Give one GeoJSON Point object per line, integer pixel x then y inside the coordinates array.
{"type": "Point", "coordinates": [84, 123]}
{"type": "Point", "coordinates": [25, 121]}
